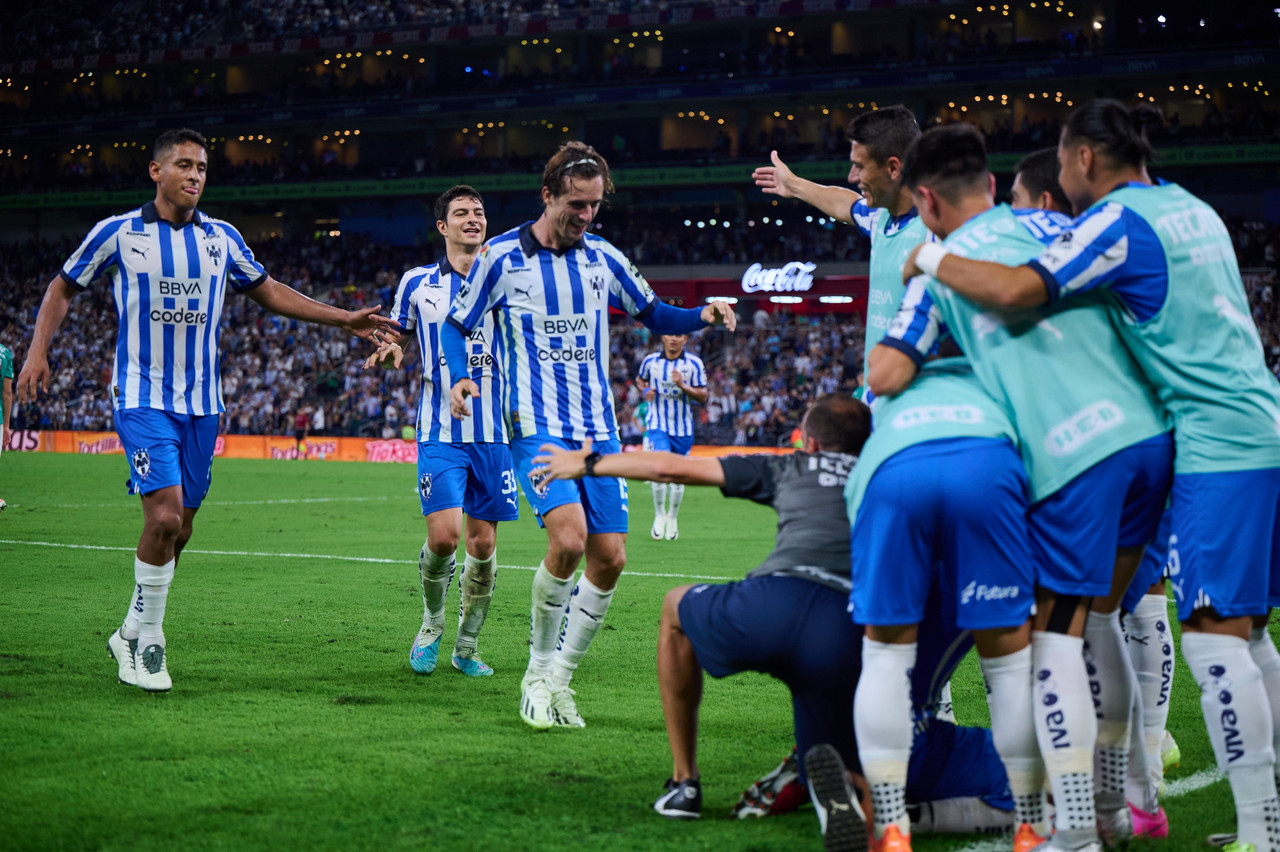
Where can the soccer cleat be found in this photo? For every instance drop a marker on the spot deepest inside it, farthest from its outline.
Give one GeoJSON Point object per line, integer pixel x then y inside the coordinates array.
{"type": "Point", "coordinates": [659, 529]}
{"type": "Point", "coordinates": [3, 505]}
{"type": "Point", "coordinates": [892, 841]}
{"type": "Point", "coordinates": [1051, 844]}
{"type": "Point", "coordinates": [673, 528]}
{"type": "Point", "coordinates": [1025, 838]}
{"type": "Point", "coordinates": [151, 668]}
{"type": "Point", "coordinates": [564, 712]}
{"type": "Point", "coordinates": [469, 664]}
{"type": "Point", "coordinates": [1239, 846]}
{"type": "Point", "coordinates": [535, 703]}
{"type": "Point", "coordinates": [1149, 825]}
{"type": "Point", "coordinates": [1115, 828]}
{"type": "Point", "coordinates": [779, 792]}
{"type": "Point", "coordinates": [844, 829]}
{"type": "Point", "coordinates": [122, 651]}
{"type": "Point", "coordinates": [425, 652]}
{"type": "Point", "coordinates": [1221, 840]}
{"type": "Point", "coordinates": [681, 800]}
{"type": "Point", "coordinates": [1170, 754]}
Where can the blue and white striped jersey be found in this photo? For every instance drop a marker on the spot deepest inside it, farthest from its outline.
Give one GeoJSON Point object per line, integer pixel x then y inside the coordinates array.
{"type": "Point", "coordinates": [170, 284]}
{"type": "Point", "coordinates": [421, 306]}
{"type": "Point", "coordinates": [553, 320]}
{"type": "Point", "coordinates": [671, 410]}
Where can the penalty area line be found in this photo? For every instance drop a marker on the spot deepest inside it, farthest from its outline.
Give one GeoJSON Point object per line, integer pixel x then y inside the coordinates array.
{"type": "Point", "coordinates": [371, 560]}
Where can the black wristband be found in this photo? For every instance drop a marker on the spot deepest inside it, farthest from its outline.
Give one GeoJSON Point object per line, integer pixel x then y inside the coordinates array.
{"type": "Point", "coordinates": [589, 463]}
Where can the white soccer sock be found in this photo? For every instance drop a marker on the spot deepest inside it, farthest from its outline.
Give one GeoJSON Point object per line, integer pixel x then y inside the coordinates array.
{"type": "Point", "coordinates": [677, 494]}
{"type": "Point", "coordinates": [153, 591]}
{"type": "Point", "coordinates": [550, 595]}
{"type": "Point", "coordinates": [1150, 648]}
{"type": "Point", "coordinates": [1013, 732]}
{"type": "Point", "coordinates": [129, 629]}
{"type": "Point", "coordinates": [961, 815]}
{"type": "Point", "coordinates": [1238, 716]}
{"type": "Point", "coordinates": [1066, 729]}
{"type": "Point", "coordinates": [1142, 781]}
{"type": "Point", "coordinates": [475, 590]}
{"type": "Point", "coordinates": [436, 572]}
{"type": "Point", "coordinates": [659, 498]}
{"type": "Point", "coordinates": [1263, 650]}
{"type": "Point", "coordinates": [587, 607]}
{"type": "Point", "coordinates": [883, 726]}
{"type": "Point", "coordinates": [1110, 680]}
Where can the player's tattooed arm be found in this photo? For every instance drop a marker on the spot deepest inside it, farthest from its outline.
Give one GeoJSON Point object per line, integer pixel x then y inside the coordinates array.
{"type": "Point", "coordinates": [559, 463]}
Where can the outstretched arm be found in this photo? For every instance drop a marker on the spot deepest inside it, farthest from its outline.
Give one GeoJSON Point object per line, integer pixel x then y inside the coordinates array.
{"type": "Point", "coordinates": [991, 285]}
{"type": "Point", "coordinates": [778, 179]}
{"type": "Point", "coordinates": [286, 301]}
{"type": "Point", "coordinates": [34, 376]}
{"type": "Point", "coordinates": [558, 463]}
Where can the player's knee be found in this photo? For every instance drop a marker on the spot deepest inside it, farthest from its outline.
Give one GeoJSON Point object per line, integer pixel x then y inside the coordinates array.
{"type": "Point", "coordinates": [671, 607]}
{"type": "Point", "coordinates": [163, 524]}
{"type": "Point", "coordinates": [443, 545]}
{"type": "Point", "coordinates": [565, 547]}
{"type": "Point", "coordinates": [480, 543]}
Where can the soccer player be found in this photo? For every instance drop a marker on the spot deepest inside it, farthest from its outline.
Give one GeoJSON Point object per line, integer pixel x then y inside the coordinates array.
{"type": "Point", "coordinates": [170, 268]}
{"type": "Point", "coordinates": [6, 397]}
{"type": "Point", "coordinates": [1166, 261]}
{"type": "Point", "coordinates": [464, 464]}
{"type": "Point", "coordinates": [939, 496]}
{"type": "Point", "coordinates": [1035, 183]}
{"type": "Point", "coordinates": [1097, 452]}
{"type": "Point", "coordinates": [674, 377]}
{"type": "Point", "coordinates": [789, 619]}
{"type": "Point", "coordinates": [553, 283]}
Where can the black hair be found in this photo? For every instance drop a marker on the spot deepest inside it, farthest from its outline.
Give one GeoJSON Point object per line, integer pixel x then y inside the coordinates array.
{"type": "Point", "coordinates": [1039, 171]}
{"type": "Point", "coordinates": [885, 132]}
{"type": "Point", "coordinates": [574, 159]}
{"type": "Point", "coordinates": [172, 138]}
{"type": "Point", "coordinates": [451, 195]}
{"type": "Point", "coordinates": [949, 159]}
{"type": "Point", "coordinates": [839, 423]}
{"type": "Point", "coordinates": [1121, 132]}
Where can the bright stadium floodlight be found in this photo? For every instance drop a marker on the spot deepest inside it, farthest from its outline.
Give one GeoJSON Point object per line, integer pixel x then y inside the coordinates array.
{"type": "Point", "coordinates": [733, 300]}
{"type": "Point", "coordinates": [835, 300]}
{"type": "Point", "coordinates": [786, 300]}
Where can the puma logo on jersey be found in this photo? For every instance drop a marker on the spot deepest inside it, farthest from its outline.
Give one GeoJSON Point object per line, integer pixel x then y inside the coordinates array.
{"type": "Point", "coordinates": [431, 302]}
{"type": "Point", "coordinates": [524, 292]}
{"type": "Point", "coordinates": [136, 250]}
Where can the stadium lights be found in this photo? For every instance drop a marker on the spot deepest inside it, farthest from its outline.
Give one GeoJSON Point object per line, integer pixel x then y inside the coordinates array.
{"type": "Point", "coordinates": [786, 300]}
{"type": "Point", "coordinates": [835, 300]}
{"type": "Point", "coordinates": [732, 300]}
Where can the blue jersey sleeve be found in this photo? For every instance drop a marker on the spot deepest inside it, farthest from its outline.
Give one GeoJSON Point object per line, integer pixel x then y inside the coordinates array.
{"type": "Point", "coordinates": [863, 217]}
{"type": "Point", "coordinates": [96, 253]}
{"type": "Point", "coordinates": [402, 307]}
{"type": "Point", "coordinates": [661, 318]}
{"type": "Point", "coordinates": [243, 269]}
{"type": "Point", "coordinates": [918, 326]}
{"type": "Point", "coordinates": [479, 293]}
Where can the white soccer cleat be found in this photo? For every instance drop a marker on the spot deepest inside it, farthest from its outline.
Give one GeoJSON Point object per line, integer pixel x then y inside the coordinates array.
{"type": "Point", "coordinates": [659, 529]}
{"type": "Point", "coordinates": [535, 703]}
{"type": "Point", "coordinates": [122, 651]}
{"type": "Point", "coordinates": [673, 529]}
{"type": "Point", "coordinates": [151, 668]}
{"type": "Point", "coordinates": [564, 712]}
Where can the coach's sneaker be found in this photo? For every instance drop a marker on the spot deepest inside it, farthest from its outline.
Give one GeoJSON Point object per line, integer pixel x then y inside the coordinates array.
{"type": "Point", "coordinates": [1170, 754]}
{"type": "Point", "coordinates": [564, 712]}
{"type": "Point", "coordinates": [469, 663]}
{"type": "Point", "coordinates": [659, 529]}
{"type": "Point", "coordinates": [535, 703]}
{"type": "Point", "coordinates": [425, 652]}
{"type": "Point", "coordinates": [1115, 828]}
{"type": "Point", "coordinates": [844, 828]}
{"type": "Point", "coordinates": [673, 528]}
{"type": "Point", "coordinates": [151, 668]}
{"type": "Point", "coordinates": [1149, 825]}
{"type": "Point", "coordinates": [122, 651]}
{"type": "Point", "coordinates": [681, 800]}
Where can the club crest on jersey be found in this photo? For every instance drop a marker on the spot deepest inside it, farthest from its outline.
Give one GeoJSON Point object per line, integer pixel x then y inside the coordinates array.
{"type": "Point", "coordinates": [142, 463]}
{"type": "Point", "coordinates": [597, 285]}
{"type": "Point", "coordinates": [424, 486]}
{"type": "Point", "coordinates": [214, 251]}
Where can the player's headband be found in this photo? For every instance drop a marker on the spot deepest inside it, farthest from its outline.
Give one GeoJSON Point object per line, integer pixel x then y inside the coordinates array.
{"type": "Point", "coordinates": [585, 160]}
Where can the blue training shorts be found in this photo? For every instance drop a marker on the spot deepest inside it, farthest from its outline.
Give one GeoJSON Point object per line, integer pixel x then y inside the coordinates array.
{"type": "Point", "coordinates": [166, 449]}
{"type": "Point", "coordinates": [1155, 559]}
{"type": "Point", "coordinates": [957, 505]}
{"type": "Point", "coordinates": [479, 478]}
{"type": "Point", "coordinates": [1225, 548]}
{"type": "Point", "coordinates": [663, 442]}
{"type": "Point", "coordinates": [1116, 503]}
{"type": "Point", "coordinates": [603, 498]}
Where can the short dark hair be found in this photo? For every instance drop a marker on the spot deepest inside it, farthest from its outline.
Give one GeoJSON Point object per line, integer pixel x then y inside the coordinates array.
{"type": "Point", "coordinates": [173, 138]}
{"type": "Point", "coordinates": [950, 159]}
{"type": "Point", "coordinates": [1120, 131]}
{"type": "Point", "coordinates": [574, 159]}
{"type": "Point", "coordinates": [885, 132]}
{"type": "Point", "coordinates": [451, 195]}
{"type": "Point", "coordinates": [1039, 171]}
{"type": "Point", "coordinates": [839, 423]}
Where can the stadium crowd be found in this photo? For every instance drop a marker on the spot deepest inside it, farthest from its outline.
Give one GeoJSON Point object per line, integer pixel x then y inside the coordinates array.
{"type": "Point", "coordinates": [760, 379]}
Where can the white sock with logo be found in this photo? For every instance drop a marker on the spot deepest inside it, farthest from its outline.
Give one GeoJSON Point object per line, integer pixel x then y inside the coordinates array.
{"type": "Point", "coordinates": [677, 495]}
{"type": "Point", "coordinates": [153, 592]}
{"type": "Point", "coordinates": [129, 629]}
{"type": "Point", "coordinates": [1066, 729]}
{"type": "Point", "coordinates": [1110, 680]}
{"type": "Point", "coordinates": [1263, 650]}
{"type": "Point", "coordinates": [1013, 733]}
{"type": "Point", "coordinates": [436, 572]}
{"type": "Point", "coordinates": [659, 498]}
{"type": "Point", "coordinates": [1238, 716]}
{"type": "Point", "coordinates": [550, 595]}
{"type": "Point", "coordinates": [475, 591]}
{"type": "Point", "coordinates": [883, 723]}
{"type": "Point", "coordinates": [1150, 646]}
{"type": "Point", "coordinates": [585, 615]}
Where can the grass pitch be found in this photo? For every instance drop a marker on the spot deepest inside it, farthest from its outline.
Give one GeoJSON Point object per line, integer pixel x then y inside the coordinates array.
{"type": "Point", "coordinates": [295, 721]}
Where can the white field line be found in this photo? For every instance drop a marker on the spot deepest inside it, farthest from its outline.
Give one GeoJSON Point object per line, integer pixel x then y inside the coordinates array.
{"type": "Point", "coordinates": [123, 504]}
{"type": "Point", "coordinates": [1172, 790]}
{"type": "Point", "coordinates": [362, 559]}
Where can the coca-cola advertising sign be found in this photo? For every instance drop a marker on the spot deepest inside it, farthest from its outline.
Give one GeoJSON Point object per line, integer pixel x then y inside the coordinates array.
{"type": "Point", "coordinates": [793, 277]}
